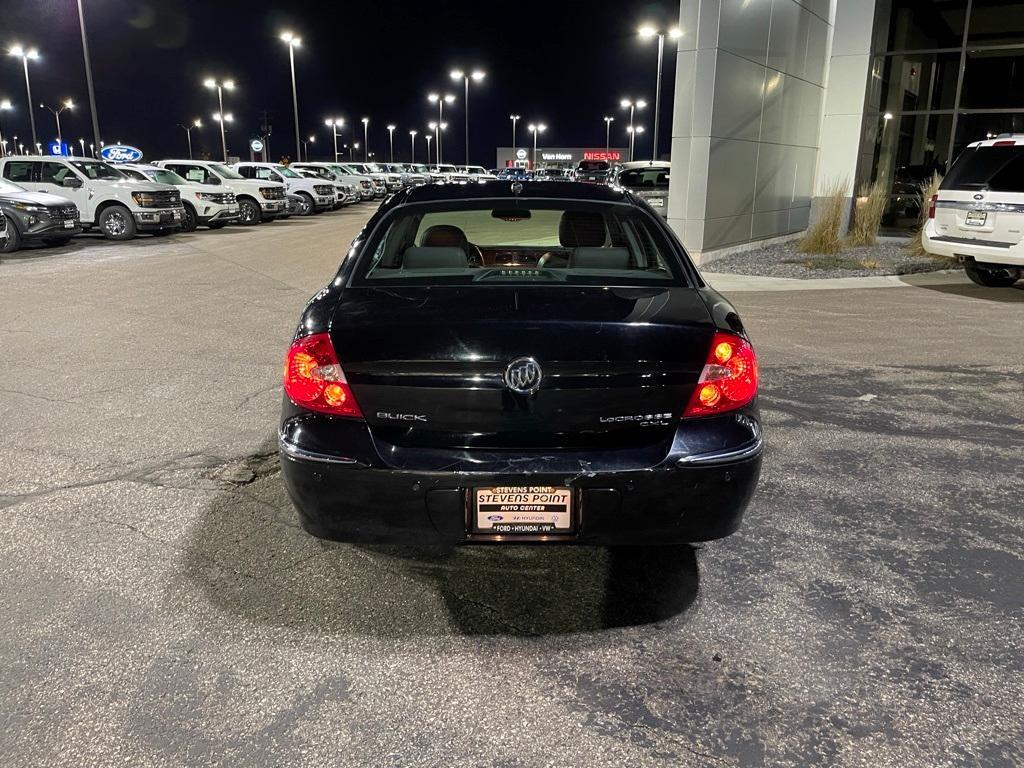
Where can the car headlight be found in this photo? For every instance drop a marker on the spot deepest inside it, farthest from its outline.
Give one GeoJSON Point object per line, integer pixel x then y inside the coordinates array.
{"type": "Point", "coordinates": [143, 198]}
{"type": "Point", "coordinates": [210, 197]}
{"type": "Point", "coordinates": [29, 208]}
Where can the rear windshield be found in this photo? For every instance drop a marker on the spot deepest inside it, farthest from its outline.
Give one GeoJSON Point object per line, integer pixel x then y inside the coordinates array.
{"type": "Point", "coordinates": [644, 178]}
{"type": "Point", "coordinates": [999, 169]}
{"type": "Point", "coordinates": [520, 241]}
{"type": "Point", "coordinates": [593, 165]}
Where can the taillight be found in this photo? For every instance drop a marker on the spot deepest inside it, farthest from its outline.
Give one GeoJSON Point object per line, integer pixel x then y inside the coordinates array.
{"type": "Point", "coordinates": [931, 207]}
{"type": "Point", "coordinates": [313, 378]}
{"type": "Point", "coordinates": [729, 378]}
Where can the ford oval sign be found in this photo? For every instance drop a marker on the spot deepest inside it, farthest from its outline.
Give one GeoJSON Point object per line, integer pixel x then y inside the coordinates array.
{"type": "Point", "coordinates": [120, 153]}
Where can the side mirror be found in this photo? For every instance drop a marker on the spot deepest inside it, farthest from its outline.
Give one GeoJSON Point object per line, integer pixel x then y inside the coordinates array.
{"type": "Point", "coordinates": [71, 181]}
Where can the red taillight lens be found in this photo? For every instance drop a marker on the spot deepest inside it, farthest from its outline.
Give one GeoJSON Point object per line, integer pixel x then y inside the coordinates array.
{"type": "Point", "coordinates": [729, 378]}
{"type": "Point", "coordinates": [313, 378]}
{"type": "Point", "coordinates": [931, 207]}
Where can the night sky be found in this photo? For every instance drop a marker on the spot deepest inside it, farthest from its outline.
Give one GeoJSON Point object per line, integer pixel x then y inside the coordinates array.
{"type": "Point", "coordinates": [564, 63]}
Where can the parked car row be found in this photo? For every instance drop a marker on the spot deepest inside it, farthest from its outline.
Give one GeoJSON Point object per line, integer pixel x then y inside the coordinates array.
{"type": "Point", "coordinates": [52, 199]}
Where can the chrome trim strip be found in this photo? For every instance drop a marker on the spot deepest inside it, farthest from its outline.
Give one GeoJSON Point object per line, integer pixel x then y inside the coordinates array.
{"type": "Point", "coordinates": [980, 205]}
{"type": "Point", "coordinates": [295, 452]}
{"type": "Point", "coordinates": [751, 449]}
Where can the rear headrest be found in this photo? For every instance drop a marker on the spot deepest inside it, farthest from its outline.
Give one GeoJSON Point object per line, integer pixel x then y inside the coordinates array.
{"type": "Point", "coordinates": [433, 258]}
{"type": "Point", "coordinates": [444, 234]}
{"type": "Point", "coordinates": [581, 228]}
{"type": "Point", "coordinates": [601, 258]}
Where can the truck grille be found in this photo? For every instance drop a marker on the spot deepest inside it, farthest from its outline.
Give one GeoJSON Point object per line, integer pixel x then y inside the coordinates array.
{"type": "Point", "coordinates": [324, 189]}
{"type": "Point", "coordinates": [272, 193]}
{"type": "Point", "coordinates": [63, 212]}
{"type": "Point", "coordinates": [159, 199]}
{"type": "Point", "coordinates": [365, 184]}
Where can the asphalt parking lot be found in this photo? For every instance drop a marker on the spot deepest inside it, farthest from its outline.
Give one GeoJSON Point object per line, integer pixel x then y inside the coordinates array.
{"type": "Point", "coordinates": [161, 608]}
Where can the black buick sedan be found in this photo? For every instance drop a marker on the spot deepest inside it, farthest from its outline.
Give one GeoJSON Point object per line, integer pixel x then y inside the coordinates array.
{"type": "Point", "coordinates": [519, 361]}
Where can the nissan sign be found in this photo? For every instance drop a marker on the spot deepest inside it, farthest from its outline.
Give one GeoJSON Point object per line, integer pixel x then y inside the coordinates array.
{"type": "Point", "coordinates": [120, 153]}
{"type": "Point", "coordinates": [256, 145]}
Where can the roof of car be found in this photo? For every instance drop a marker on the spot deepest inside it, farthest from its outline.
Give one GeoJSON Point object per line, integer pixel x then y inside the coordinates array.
{"type": "Point", "coordinates": [499, 188]}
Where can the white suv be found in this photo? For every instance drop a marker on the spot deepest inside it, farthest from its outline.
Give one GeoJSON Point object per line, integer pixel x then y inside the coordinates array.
{"type": "Point", "coordinates": [977, 217]}
{"type": "Point", "coordinates": [105, 197]}
{"type": "Point", "coordinates": [257, 200]}
{"type": "Point", "coordinates": [202, 204]}
{"type": "Point", "coordinates": [316, 196]}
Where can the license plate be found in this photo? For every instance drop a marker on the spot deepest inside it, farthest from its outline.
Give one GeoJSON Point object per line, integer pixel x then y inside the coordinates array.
{"type": "Point", "coordinates": [69, 225]}
{"type": "Point", "coordinates": [232, 210]}
{"type": "Point", "coordinates": [523, 510]}
{"type": "Point", "coordinates": [976, 218]}
{"type": "Point", "coordinates": [657, 202]}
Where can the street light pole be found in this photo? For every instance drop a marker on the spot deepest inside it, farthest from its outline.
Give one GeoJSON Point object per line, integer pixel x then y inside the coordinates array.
{"type": "Point", "coordinates": [188, 133]}
{"type": "Point", "coordinates": [412, 146]}
{"type": "Point", "coordinates": [219, 86]}
{"type": "Point", "coordinates": [67, 104]}
{"type": "Point", "coordinates": [294, 41]}
{"type": "Point", "coordinates": [632, 138]}
{"type": "Point", "coordinates": [428, 137]}
{"type": "Point", "coordinates": [632, 105]}
{"type": "Point", "coordinates": [514, 119]}
{"type": "Point", "coordinates": [441, 101]}
{"type": "Point", "coordinates": [305, 146]}
{"type": "Point", "coordinates": [366, 139]}
{"type": "Point", "coordinates": [535, 129]}
{"type": "Point", "coordinates": [26, 54]}
{"type": "Point", "coordinates": [608, 134]}
{"type": "Point", "coordinates": [5, 106]}
{"type": "Point", "coordinates": [477, 75]}
{"type": "Point", "coordinates": [647, 32]}
{"type": "Point", "coordinates": [88, 77]}
{"type": "Point", "coordinates": [334, 123]}
{"type": "Point", "coordinates": [391, 143]}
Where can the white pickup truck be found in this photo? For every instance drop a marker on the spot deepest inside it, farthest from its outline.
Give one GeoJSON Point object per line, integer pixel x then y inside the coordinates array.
{"type": "Point", "coordinates": [202, 204]}
{"type": "Point", "coordinates": [106, 198]}
{"type": "Point", "coordinates": [317, 196]}
{"type": "Point", "coordinates": [258, 201]}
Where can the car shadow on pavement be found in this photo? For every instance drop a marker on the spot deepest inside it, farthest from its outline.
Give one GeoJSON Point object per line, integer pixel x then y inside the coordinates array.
{"type": "Point", "coordinates": [246, 555]}
{"type": "Point", "coordinates": [1011, 295]}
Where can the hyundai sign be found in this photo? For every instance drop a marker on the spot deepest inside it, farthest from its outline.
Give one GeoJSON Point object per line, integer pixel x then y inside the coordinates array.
{"type": "Point", "coordinates": [120, 153]}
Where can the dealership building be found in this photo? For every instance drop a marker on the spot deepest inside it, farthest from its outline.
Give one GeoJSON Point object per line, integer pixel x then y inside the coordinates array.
{"type": "Point", "coordinates": [557, 157]}
{"type": "Point", "coordinates": [779, 101]}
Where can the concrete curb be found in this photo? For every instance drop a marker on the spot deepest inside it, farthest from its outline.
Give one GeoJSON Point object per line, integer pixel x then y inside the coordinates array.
{"type": "Point", "coordinates": [731, 283]}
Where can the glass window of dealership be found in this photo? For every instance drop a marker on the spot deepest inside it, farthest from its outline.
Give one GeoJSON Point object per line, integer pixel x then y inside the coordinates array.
{"type": "Point", "coordinates": [943, 73]}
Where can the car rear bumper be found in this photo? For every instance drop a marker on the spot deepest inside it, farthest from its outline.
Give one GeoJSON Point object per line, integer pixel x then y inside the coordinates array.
{"type": "Point", "coordinates": [681, 498]}
{"type": "Point", "coordinates": [1011, 254]}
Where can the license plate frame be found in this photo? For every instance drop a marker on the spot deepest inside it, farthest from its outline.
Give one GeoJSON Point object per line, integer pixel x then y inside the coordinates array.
{"type": "Point", "coordinates": [69, 224]}
{"type": "Point", "coordinates": [516, 511]}
{"type": "Point", "coordinates": [976, 218]}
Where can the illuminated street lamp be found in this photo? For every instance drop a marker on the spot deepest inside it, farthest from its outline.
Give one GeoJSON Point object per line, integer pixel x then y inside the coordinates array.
{"type": "Point", "coordinates": [515, 119]}
{"type": "Point", "coordinates": [647, 32]}
{"type": "Point", "coordinates": [305, 146]}
{"type": "Point", "coordinates": [477, 75]}
{"type": "Point", "coordinates": [66, 104]}
{"type": "Point", "coordinates": [441, 101]}
{"type": "Point", "coordinates": [433, 127]}
{"type": "Point", "coordinates": [428, 137]}
{"type": "Point", "coordinates": [334, 123]}
{"type": "Point", "coordinates": [391, 142]}
{"type": "Point", "coordinates": [26, 54]}
{"type": "Point", "coordinates": [608, 133]}
{"type": "Point", "coordinates": [633, 106]}
{"type": "Point", "coordinates": [355, 145]}
{"type": "Point", "coordinates": [536, 129]}
{"type": "Point", "coordinates": [412, 146]}
{"type": "Point", "coordinates": [5, 106]}
{"type": "Point", "coordinates": [197, 123]}
{"type": "Point", "coordinates": [366, 139]}
{"type": "Point", "coordinates": [220, 87]}
{"type": "Point", "coordinates": [81, 143]}
{"type": "Point", "coordinates": [293, 43]}
{"type": "Point", "coordinates": [632, 138]}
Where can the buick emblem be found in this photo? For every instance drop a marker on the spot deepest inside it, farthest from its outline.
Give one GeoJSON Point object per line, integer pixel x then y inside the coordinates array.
{"type": "Point", "coordinates": [523, 376]}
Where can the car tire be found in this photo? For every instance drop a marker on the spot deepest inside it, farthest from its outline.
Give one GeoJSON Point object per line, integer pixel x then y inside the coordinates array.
{"type": "Point", "coordinates": [13, 242]}
{"type": "Point", "coordinates": [249, 212]}
{"type": "Point", "coordinates": [189, 220]}
{"type": "Point", "coordinates": [308, 208]}
{"type": "Point", "coordinates": [116, 223]}
{"type": "Point", "coordinates": [991, 278]}
{"type": "Point", "coordinates": [56, 242]}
